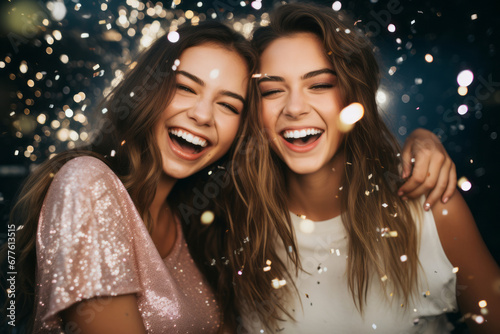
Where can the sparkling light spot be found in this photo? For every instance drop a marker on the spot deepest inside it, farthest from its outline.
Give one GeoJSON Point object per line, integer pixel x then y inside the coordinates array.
{"type": "Point", "coordinates": [41, 118]}
{"type": "Point", "coordinates": [23, 68]}
{"type": "Point", "coordinates": [479, 319]}
{"type": "Point", "coordinates": [473, 17]}
{"type": "Point", "coordinates": [337, 5]}
{"type": "Point", "coordinates": [462, 109]}
{"type": "Point", "coordinates": [350, 115]}
{"type": "Point", "coordinates": [57, 35]}
{"type": "Point", "coordinates": [391, 27]}
{"type": "Point", "coordinates": [173, 36]}
{"type": "Point", "coordinates": [306, 226]}
{"type": "Point", "coordinates": [256, 4]}
{"type": "Point", "coordinates": [454, 270]}
{"type": "Point", "coordinates": [207, 217]}
{"type": "Point", "coordinates": [57, 9]}
{"type": "Point", "coordinates": [464, 184]}
{"type": "Point", "coordinates": [214, 74]}
{"type": "Point", "coordinates": [465, 78]}
{"type": "Point", "coordinates": [482, 303]}
{"type": "Point", "coordinates": [429, 58]}
{"type": "Point", "coordinates": [462, 91]}
{"type": "Point", "coordinates": [404, 258]}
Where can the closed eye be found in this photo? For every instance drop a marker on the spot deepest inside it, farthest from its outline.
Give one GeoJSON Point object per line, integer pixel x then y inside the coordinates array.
{"type": "Point", "coordinates": [270, 92]}
{"type": "Point", "coordinates": [229, 107]}
{"type": "Point", "coordinates": [185, 88]}
{"type": "Point", "coordinates": [322, 86]}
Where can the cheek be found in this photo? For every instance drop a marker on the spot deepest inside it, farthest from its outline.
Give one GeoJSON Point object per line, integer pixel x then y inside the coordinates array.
{"type": "Point", "coordinates": [229, 129]}
{"type": "Point", "coordinates": [268, 116]}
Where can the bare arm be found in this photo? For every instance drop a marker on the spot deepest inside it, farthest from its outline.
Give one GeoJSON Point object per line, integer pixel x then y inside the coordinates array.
{"type": "Point", "coordinates": [478, 276]}
{"type": "Point", "coordinates": [104, 315]}
{"type": "Point", "coordinates": [433, 173]}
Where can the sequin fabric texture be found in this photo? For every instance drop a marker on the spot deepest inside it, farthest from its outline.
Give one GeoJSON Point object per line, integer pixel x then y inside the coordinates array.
{"type": "Point", "coordinates": [91, 241]}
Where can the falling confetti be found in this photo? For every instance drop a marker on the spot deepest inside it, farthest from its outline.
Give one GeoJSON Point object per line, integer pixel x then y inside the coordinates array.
{"type": "Point", "coordinates": [207, 217]}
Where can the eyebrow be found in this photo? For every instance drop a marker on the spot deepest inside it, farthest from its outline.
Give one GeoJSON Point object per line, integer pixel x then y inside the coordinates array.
{"type": "Point", "coordinates": [192, 77]}
{"type": "Point", "coordinates": [233, 95]}
{"type": "Point", "coordinates": [305, 76]}
{"type": "Point", "coordinates": [202, 83]}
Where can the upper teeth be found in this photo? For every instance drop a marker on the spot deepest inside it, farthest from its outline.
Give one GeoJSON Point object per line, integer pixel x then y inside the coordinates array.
{"type": "Point", "coordinates": [189, 137]}
{"type": "Point", "coordinates": [301, 133]}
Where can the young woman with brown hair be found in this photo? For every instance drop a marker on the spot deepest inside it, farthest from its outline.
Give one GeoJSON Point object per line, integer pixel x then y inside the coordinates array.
{"type": "Point", "coordinates": [99, 231]}
{"type": "Point", "coordinates": [371, 260]}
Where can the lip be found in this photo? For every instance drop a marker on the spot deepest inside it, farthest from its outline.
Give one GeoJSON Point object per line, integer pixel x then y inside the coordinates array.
{"type": "Point", "coordinates": [300, 149]}
{"type": "Point", "coordinates": [181, 153]}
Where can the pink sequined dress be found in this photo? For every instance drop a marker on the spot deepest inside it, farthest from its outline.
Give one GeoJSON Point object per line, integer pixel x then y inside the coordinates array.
{"type": "Point", "coordinates": [91, 241]}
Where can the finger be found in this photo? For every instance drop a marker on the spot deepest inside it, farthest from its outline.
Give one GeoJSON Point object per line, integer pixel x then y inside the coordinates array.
{"type": "Point", "coordinates": [441, 185]}
{"type": "Point", "coordinates": [406, 156]}
{"type": "Point", "coordinates": [452, 184]}
{"type": "Point", "coordinates": [431, 179]}
{"type": "Point", "coordinates": [420, 170]}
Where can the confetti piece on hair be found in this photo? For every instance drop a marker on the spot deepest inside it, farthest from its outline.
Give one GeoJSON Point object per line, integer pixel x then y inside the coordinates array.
{"type": "Point", "coordinates": [207, 217]}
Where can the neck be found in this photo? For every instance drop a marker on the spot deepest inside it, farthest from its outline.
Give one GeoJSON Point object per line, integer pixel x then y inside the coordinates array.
{"type": "Point", "coordinates": [164, 231]}
{"type": "Point", "coordinates": [316, 195]}
{"type": "Point", "coordinates": [164, 188]}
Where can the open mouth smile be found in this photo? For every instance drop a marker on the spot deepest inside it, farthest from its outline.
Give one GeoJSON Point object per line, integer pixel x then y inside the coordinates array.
{"type": "Point", "coordinates": [302, 137]}
{"type": "Point", "coordinates": [186, 144]}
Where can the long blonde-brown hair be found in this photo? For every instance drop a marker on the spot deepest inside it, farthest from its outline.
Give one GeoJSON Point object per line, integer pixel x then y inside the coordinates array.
{"type": "Point", "coordinates": [371, 171]}
{"type": "Point", "coordinates": [127, 128]}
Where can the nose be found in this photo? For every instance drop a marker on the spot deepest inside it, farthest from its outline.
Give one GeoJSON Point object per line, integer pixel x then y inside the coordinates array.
{"type": "Point", "coordinates": [202, 113]}
{"type": "Point", "coordinates": [296, 105]}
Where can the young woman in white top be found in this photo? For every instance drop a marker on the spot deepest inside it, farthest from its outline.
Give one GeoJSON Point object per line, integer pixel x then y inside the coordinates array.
{"type": "Point", "coordinates": [372, 261]}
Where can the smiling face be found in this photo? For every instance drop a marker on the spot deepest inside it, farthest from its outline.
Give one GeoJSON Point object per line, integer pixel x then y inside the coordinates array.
{"type": "Point", "coordinates": [301, 102]}
{"type": "Point", "coordinates": [200, 123]}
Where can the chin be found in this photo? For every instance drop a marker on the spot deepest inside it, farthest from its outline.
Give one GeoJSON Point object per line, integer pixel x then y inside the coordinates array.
{"type": "Point", "coordinates": [178, 172]}
{"type": "Point", "coordinates": [303, 168]}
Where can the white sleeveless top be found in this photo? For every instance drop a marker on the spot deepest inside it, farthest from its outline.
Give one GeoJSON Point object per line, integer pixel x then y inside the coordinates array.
{"type": "Point", "coordinates": [328, 307]}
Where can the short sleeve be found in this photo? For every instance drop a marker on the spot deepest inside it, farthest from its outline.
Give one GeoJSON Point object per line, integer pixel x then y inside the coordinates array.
{"type": "Point", "coordinates": [85, 245]}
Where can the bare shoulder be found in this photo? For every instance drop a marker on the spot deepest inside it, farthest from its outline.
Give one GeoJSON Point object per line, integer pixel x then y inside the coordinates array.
{"type": "Point", "coordinates": [478, 276]}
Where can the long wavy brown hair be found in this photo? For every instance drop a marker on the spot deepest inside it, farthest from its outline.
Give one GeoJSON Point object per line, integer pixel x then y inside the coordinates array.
{"type": "Point", "coordinates": [371, 172]}
{"type": "Point", "coordinates": [128, 129]}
